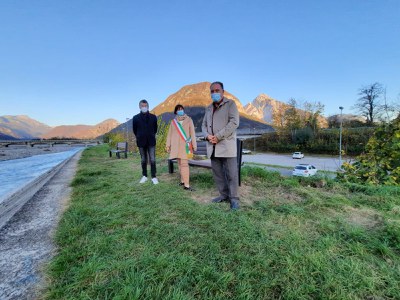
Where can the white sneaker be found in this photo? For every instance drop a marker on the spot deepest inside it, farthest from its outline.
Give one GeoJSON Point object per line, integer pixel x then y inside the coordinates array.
{"type": "Point", "coordinates": [155, 180]}
{"type": "Point", "coordinates": [143, 180]}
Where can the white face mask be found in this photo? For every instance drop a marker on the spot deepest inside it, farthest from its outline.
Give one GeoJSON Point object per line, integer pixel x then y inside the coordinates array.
{"type": "Point", "coordinates": [144, 109]}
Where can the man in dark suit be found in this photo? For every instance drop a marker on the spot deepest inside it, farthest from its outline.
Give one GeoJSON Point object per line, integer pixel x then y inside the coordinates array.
{"type": "Point", "coordinates": [144, 126]}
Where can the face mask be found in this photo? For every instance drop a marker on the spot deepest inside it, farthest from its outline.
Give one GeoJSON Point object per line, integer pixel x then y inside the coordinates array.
{"type": "Point", "coordinates": [144, 109]}
{"type": "Point", "coordinates": [180, 112]}
{"type": "Point", "coordinates": [216, 97]}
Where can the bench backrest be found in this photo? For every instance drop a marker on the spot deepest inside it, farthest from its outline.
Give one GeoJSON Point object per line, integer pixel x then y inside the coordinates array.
{"type": "Point", "coordinates": [202, 148]}
{"type": "Point", "coordinates": [122, 145]}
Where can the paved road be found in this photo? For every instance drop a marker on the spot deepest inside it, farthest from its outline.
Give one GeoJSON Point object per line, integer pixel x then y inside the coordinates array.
{"type": "Point", "coordinates": [326, 163]}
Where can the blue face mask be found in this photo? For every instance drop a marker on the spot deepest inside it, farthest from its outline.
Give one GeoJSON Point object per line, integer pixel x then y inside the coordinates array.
{"type": "Point", "coordinates": [180, 112]}
{"type": "Point", "coordinates": [216, 97]}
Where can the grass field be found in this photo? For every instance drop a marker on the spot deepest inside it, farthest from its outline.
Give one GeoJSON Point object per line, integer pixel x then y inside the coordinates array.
{"type": "Point", "coordinates": [293, 238]}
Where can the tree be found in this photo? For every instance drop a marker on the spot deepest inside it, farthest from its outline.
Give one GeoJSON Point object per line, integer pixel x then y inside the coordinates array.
{"type": "Point", "coordinates": [368, 104]}
{"type": "Point", "coordinates": [389, 109]}
{"type": "Point", "coordinates": [313, 112]}
{"type": "Point", "coordinates": [380, 163]}
{"type": "Point", "coordinates": [278, 115]}
{"type": "Point", "coordinates": [161, 137]}
{"type": "Point", "coordinates": [292, 116]}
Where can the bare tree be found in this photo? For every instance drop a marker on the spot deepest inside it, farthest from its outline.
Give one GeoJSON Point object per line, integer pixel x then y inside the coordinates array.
{"type": "Point", "coordinates": [368, 104]}
{"type": "Point", "coordinates": [389, 109]}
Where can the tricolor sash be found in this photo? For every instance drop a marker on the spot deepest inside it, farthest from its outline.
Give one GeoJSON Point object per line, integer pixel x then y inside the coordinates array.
{"type": "Point", "coordinates": [182, 134]}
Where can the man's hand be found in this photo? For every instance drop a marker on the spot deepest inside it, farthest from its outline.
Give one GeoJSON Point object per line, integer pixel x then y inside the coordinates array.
{"type": "Point", "coordinates": [212, 139]}
{"type": "Point", "coordinates": [168, 148]}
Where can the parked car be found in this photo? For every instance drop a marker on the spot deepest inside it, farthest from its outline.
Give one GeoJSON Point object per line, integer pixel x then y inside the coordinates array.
{"type": "Point", "coordinates": [246, 151]}
{"type": "Point", "coordinates": [298, 155]}
{"type": "Point", "coordinates": [304, 170]}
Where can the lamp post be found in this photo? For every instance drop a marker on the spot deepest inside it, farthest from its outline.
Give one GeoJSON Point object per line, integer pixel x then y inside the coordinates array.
{"type": "Point", "coordinates": [127, 135]}
{"type": "Point", "coordinates": [254, 139]}
{"type": "Point", "coordinates": [340, 137]}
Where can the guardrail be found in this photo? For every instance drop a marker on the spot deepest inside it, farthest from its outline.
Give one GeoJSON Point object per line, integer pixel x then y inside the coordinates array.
{"type": "Point", "coordinates": [51, 143]}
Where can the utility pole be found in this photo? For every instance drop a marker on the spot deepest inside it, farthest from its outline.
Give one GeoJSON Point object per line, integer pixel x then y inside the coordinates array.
{"type": "Point", "coordinates": [127, 134]}
{"type": "Point", "coordinates": [254, 139]}
{"type": "Point", "coordinates": [340, 137]}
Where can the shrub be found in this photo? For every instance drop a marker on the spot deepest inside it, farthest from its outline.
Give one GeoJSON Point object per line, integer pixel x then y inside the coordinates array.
{"type": "Point", "coordinates": [380, 163]}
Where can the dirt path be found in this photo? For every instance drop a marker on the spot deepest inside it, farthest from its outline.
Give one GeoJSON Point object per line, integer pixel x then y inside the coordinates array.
{"type": "Point", "coordinates": [26, 241]}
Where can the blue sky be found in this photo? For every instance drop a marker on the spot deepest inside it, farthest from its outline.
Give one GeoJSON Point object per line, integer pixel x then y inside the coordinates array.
{"type": "Point", "coordinates": [80, 62]}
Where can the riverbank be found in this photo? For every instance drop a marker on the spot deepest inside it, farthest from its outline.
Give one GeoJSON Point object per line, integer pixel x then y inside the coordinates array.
{"type": "Point", "coordinates": [20, 151]}
{"type": "Point", "coordinates": [26, 241]}
{"type": "Point", "coordinates": [293, 238]}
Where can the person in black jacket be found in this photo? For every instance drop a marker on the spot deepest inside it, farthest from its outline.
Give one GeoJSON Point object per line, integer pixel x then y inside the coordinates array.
{"type": "Point", "coordinates": [144, 126]}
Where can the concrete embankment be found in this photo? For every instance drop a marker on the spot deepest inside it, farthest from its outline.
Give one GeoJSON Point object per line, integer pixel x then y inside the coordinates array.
{"type": "Point", "coordinates": [14, 202]}
{"type": "Point", "coordinates": [26, 241]}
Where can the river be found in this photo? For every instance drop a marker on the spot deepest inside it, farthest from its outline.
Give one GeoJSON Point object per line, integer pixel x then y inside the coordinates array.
{"type": "Point", "coordinates": [16, 173]}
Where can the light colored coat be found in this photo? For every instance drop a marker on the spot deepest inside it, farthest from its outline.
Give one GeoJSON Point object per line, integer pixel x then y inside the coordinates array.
{"type": "Point", "coordinates": [176, 143]}
{"type": "Point", "coordinates": [221, 122]}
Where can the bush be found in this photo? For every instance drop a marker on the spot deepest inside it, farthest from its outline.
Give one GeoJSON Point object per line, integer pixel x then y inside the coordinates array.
{"type": "Point", "coordinates": [161, 138]}
{"type": "Point", "coordinates": [112, 138]}
{"type": "Point", "coordinates": [380, 163]}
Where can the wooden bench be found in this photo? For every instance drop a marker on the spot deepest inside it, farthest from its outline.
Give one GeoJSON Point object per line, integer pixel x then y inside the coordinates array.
{"type": "Point", "coordinates": [206, 163]}
{"type": "Point", "coordinates": [122, 147]}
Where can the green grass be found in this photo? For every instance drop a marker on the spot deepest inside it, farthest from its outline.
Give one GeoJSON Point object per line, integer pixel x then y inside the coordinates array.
{"type": "Point", "coordinates": [292, 239]}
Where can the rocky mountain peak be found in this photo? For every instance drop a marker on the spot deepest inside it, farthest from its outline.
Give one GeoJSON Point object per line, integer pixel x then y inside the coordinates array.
{"type": "Point", "coordinates": [192, 95]}
{"type": "Point", "coordinates": [271, 111]}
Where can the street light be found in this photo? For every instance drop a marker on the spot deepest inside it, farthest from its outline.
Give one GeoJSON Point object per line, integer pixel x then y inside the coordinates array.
{"type": "Point", "coordinates": [127, 119]}
{"type": "Point", "coordinates": [254, 139]}
{"type": "Point", "coordinates": [340, 137]}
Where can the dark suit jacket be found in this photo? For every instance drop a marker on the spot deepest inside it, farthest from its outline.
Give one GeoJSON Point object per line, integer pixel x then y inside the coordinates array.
{"type": "Point", "coordinates": [145, 128]}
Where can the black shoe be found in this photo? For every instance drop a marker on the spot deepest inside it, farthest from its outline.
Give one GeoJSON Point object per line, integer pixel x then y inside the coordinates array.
{"type": "Point", "coordinates": [188, 189]}
{"type": "Point", "coordinates": [181, 183]}
{"type": "Point", "coordinates": [234, 204]}
{"type": "Point", "coordinates": [219, 199]}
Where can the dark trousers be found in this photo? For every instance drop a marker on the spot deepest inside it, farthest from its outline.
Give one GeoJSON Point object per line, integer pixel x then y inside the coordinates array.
{"type": "Point", "coordinates": [145, 153]}
{"type": "Point", "coordinates": [226, 176]}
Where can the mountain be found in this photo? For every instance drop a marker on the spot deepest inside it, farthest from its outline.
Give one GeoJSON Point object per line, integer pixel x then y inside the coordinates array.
{"type": "Point", "coordinates": [22, 127]}
{"type": "Point", "coordinates": [264, 108]}
{"type": "Point", "coordinates": [6, 137]}
{"type": "Point", "coordinates": [197, 94]}
{"type": "Point", "coordinates": [81, 131]}
{"type": "Point", "coordinates": [195, 98]}
{"type": "Point", "coordinates": [272, 111]}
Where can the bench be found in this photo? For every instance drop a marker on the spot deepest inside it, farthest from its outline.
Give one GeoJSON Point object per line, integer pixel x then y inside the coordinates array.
{"type": "Point", "coordinates": [206, 163]}
{"type": "Point", "coordinates": [122, 147]}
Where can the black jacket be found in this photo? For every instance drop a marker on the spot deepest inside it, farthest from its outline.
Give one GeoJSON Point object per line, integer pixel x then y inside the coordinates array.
{"type": "Point", "coordinates": [145, 128]}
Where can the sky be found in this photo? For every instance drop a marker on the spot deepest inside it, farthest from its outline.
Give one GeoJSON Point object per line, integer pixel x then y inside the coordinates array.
{"type": "Point", "coordinates": [83, 61]}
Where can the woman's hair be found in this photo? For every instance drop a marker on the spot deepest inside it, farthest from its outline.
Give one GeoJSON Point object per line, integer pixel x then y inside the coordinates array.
{"type": "Point", "coordinates": [177, 107]}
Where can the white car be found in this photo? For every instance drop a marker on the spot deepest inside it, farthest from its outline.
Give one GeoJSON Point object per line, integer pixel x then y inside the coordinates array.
{"type": "Point", "coordinates": [246, 151]}
{"type": "Point", "coordinates": [298, 155]}
{"type": "Point", "coordinates": [304, 170]}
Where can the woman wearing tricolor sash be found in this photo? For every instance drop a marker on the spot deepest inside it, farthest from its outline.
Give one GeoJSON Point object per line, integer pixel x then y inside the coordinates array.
{"type": "Point", "coordinates": [181, 142]}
